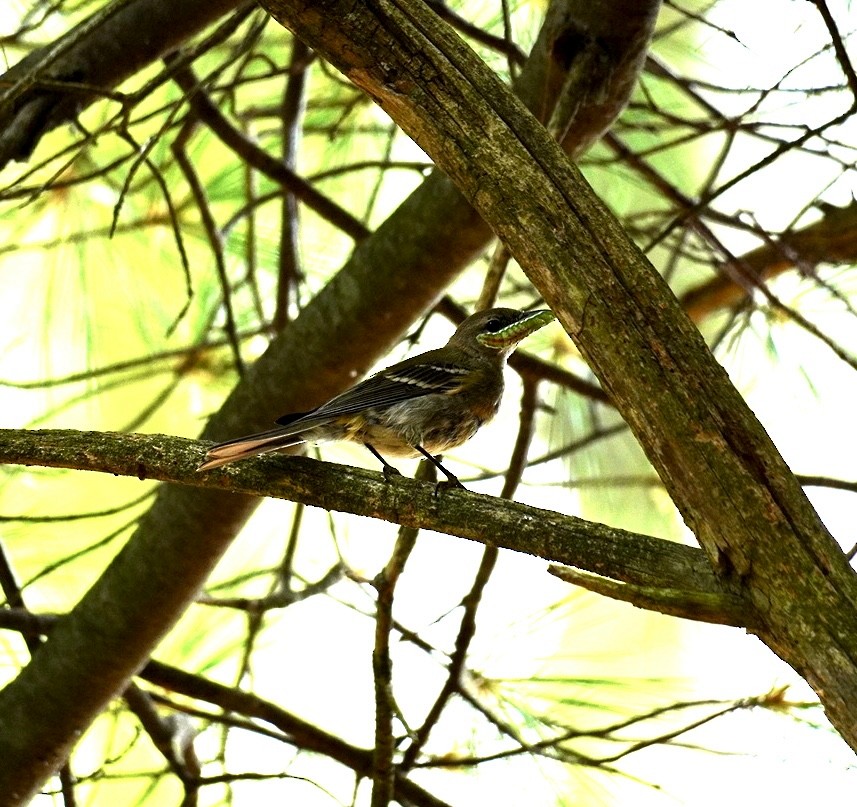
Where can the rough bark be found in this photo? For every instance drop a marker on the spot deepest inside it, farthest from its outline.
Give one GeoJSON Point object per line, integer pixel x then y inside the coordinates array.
{"type": "Point", "coordinates": [721, 468]}
{"type": "Point", "coordinates": [650, 572]}
{"type": "Point", "coordinates": [390, 280]}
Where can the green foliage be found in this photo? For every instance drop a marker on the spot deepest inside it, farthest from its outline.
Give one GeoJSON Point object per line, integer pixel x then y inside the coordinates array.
{"type": "Point", "coordinates": [115, 318]}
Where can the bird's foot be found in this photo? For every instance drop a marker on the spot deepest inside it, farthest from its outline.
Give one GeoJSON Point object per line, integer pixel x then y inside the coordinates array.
{"type": "Point", "coordinates": [390, 473]}
{"type": "Point", "coordinates": [451, 482]}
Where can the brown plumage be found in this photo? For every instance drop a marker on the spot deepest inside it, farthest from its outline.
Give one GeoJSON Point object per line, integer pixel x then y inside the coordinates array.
{"type": "Point", "coordinates": [425, 405]}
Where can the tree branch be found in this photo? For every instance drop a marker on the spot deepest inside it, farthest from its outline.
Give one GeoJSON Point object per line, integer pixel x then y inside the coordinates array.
{"type": "Point", "coordinates": [613, 553]}
{"type": "Point", "coordinates": [734, 490]}
{"type": "Point", "coordinates": [100, 53]}
{"type": "Point", "coordinates": [719, 607]}
{"type": "Point", "coordinates": [831, 239]}
{"type": "Point", "coordinates": [391, 278]}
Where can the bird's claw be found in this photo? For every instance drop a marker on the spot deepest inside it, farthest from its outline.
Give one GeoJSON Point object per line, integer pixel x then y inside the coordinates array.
{"type": "Point", "coordinates": [451, 483]}
{"type": "Point", "coordinates": [390, 472]}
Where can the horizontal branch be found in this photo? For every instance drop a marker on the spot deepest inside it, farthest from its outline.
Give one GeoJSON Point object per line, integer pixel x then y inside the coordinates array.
{"type": "Point", "coordinates": [642, 561]}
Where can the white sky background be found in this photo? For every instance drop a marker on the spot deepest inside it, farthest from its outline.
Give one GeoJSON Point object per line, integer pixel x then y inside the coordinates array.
{"type": "Point", "coordinates": [779, 761]}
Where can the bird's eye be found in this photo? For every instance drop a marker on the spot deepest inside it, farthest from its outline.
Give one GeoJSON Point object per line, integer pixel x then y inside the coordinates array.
{"type": "Point", "coordinates": [493, 325]}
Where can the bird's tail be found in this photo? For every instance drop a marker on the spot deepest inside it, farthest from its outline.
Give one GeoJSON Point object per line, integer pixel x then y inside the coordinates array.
{"type": "Point", "coordinates": [250, 446]}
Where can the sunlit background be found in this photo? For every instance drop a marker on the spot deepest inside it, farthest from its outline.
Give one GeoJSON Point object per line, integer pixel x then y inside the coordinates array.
{"type": "Point", "coordinates": [73, 302]}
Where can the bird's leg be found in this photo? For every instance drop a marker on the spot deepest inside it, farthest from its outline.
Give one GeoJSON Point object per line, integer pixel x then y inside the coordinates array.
{"type": "Point", "coordinates": [453, 480]}
{"type": "Point", "coordinates": [388, 470]}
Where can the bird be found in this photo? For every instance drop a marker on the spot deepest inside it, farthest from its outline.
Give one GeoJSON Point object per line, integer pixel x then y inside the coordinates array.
{"type": "Point", "coordinates": [424, 405]}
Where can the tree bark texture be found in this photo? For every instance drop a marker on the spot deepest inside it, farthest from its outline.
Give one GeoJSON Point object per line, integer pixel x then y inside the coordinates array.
{"type": "Point", "coordinates": [392, 278]}
{"type": "Point", "coordinates": [732, 487]}
{"type": "Point", "coordinates": [651, 572]}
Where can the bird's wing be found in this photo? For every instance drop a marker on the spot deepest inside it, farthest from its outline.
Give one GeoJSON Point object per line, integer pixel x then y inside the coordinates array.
{"type": "Point", "coordinates": [412, 378]}
{"type": "Point", "coordinates": [401, 382]}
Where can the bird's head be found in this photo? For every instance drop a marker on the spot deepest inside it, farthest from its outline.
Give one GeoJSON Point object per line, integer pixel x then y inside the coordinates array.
{"type": "Point", "coordinates": [497, 330]}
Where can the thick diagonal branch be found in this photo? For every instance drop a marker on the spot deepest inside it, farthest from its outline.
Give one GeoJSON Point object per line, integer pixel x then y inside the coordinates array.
{"type": "Point", "coordinates": [391, 279]}
{"type": "Point", "coordinates": [731, 485]}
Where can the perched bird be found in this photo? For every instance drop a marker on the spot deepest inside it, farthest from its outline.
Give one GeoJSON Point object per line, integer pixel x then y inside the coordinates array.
{"type": "Point", "coordinates": [423, 405]}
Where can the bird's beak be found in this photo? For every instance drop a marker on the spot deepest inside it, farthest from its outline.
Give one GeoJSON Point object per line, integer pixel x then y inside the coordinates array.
{"type": "Point", "coordinates": [529, 322]}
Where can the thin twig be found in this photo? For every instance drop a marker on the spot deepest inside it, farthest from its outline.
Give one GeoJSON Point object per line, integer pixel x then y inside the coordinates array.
{"type": "Point", "coordinates": [215, 238]}
{"type": "Point", "coordinates": [383, 770]}
{"type": "Point", "coordinates": [472, 600]}
{"type": "Point", "coordinates": [294, 105]}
